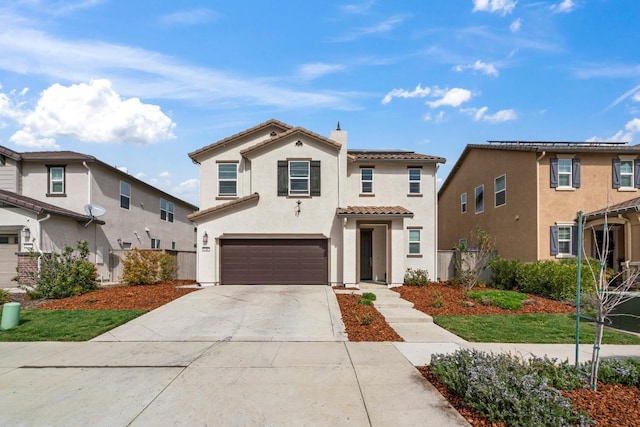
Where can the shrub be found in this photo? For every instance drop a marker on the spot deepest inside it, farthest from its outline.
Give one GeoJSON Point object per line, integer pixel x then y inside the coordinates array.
{"type": "Point", "coordinates": [504, 389]}
{"type": "Point", "coordinates": [4, 296]}
{"type": "Point", "coordinates": [64, 274]}
{"type": "Point", "coordinates": [504, 272]}
{"type": "Point", "coordinates": [146, 267]}
{"type": "Point", "coordinates": [620, 371]}
{"type": "Point", "coordinates": [504, 299]}
{"type": "Point", "coordinates": [416, 277]}
{"type": "Point", "coordinates": [367, 298]}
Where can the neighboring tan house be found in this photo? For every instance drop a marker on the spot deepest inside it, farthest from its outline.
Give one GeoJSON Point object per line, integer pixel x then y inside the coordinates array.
{"type": "Point", "coordinates": [42, 208]}
{"type": "Point", "coordinates": [527, 196]}
{"type": "Point", "coordinates": [284, 205]}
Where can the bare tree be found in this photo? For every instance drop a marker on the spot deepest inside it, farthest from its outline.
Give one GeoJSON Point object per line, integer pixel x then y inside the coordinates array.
{"type": "Point", "coordinates": [472, 257]}
{"type": "Point", "coordinates": [610, 292]}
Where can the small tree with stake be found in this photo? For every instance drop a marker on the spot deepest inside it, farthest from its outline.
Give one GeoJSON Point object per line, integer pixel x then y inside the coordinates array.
{"type": "Point", "coordinates": [610, 293]}
{"type": "Point", "coordinates": [470, 263]}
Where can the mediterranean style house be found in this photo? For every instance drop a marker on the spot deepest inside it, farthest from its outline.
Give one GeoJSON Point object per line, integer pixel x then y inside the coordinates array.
{"type": "Point", "coordinates": [527, 196]}
{"type": "Point", "coordinates": [284, 205]}
{"type": "Point", "coordinates": [49, 199]}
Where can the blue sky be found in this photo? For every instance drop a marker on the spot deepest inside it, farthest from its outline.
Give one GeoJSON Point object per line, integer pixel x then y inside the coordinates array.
{"type": "Point", "coordinates": [139, 84]}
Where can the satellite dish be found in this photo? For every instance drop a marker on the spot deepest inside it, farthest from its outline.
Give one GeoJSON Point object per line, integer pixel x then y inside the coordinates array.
{"type": "Point", "coordinates": [94, 210]}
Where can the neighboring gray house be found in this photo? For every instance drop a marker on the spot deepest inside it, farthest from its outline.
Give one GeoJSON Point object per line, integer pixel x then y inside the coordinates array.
{"type": "Point", "coordinates": [42, 208]}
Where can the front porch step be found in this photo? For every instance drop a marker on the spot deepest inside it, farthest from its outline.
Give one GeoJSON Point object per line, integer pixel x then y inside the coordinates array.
{"type": "Point", "coordinates": [392, 303]}
{"type": "Point", "coordinates": [404, 315]}
{"type": "Point", "coordinates": [372, 286]}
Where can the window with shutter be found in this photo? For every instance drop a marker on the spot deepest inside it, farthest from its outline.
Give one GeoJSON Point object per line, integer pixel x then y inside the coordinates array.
{"type": "Point", "coordinates": [564, 240]}
{"type": "Point", "coordinates": [299, 178]}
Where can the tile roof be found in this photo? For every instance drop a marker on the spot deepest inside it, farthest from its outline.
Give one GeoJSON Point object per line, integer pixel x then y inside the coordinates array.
{"type": "Point", "coordinates": [391, 155]}
{"type": "Point", "coordinates": [41, 207]}
{"type": "Point", "coordinates": [273, 122]}
{"type": "Point", "coordinates": [218, 208]}
{"type": "Point", "coordinates": [290, 132]}
{"type": "Point", "coordinates": [393, 211]}
{"type": "Point", "coordinates": [631, 205]}
{"type": "Point", "coordinates": [56, 155]}
{"type": "Point", "coordinates": [10, 153]}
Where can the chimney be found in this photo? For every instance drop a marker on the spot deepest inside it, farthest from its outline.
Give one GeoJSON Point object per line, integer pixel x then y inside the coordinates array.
{"type": "Point", "coordinates": [339, 135]}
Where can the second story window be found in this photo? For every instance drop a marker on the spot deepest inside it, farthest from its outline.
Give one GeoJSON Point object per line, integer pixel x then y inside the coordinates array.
{"type": "Point", "coordinates": [125, 195]}
{"type": "Point", "coordinates": [565, 173]}
{"type": "Point", "coordinates": [479, 194]}
{"type": "Point", "coordinates": [463, 203]}
{"type": "Point", "coordinates": [415, 175]}
{"type": "Point", "coordinates": [56, 180]}
{"type": "Point", "coordinates": [366, 181]}
{"type": "Point", "coordinates": [166, 210]}
{"type": "Point", "coordinates": [227, 179]}
{"type": "Point", "coordinates": [299, 178]}
{"type": "Point", "coordinates": [500, 187]}
{"type": "Point", "coordinates": [626, 174]}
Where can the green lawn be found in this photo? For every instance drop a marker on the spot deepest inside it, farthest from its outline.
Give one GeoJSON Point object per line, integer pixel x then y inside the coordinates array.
{"type": "Point", "coordinates": [528, 328]}
{"type": "Point", "coordinates": [66, 325]}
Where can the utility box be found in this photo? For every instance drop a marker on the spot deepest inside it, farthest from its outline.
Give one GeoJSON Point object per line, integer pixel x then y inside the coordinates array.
{"type": "Point", "coordinates": [10, 315]}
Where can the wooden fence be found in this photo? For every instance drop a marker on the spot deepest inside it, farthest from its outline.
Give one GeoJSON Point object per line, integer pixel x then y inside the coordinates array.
{"type": "Point", "coordinates": [185, 263]}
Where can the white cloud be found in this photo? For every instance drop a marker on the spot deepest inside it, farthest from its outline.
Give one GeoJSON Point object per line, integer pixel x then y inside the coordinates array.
{"type": "Point", "coordinates": [516, 25]}
{"type": "Point", "coordinates": [483, 67]}
{"type": "Point", "coordinates": [636, 97]}
{"type": "Point", "coordinates": [480, 114]}
{"type": "Point", "coordinates": [453, 98]}
{"type": "Point", "coordinates": [418, 92]}
{"type": "Point", "coordinates": [565, 6]}
{"type": "Point", "coordinates": [94, 112]}
{"type": "Point", "coordinates": [140, 175]}
{"type": "Point", "coordinates": [438, 118]}
{"type": "Point", "coordinates": [188, 17]}
{"type": "Point", "coordinates": [318, 69]}
{"type": "Point", "coordinates": [383, 27]}
{"type": "Point", "coordinates": [357, 8]}
{"type": "Point", "coordinates": [164, 174]}
{"type": "Point", "coordinates": [500, 6]}
{"type": "Point", "coordinates": [628, 134]}
{"type": "Point", "coordinates": [188, 190]}
{"type": "Point", "coordinates": [26, 139]}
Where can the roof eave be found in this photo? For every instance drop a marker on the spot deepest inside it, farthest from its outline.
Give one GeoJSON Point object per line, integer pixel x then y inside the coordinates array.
{"type": "Point", "coordinates": [371, 215]}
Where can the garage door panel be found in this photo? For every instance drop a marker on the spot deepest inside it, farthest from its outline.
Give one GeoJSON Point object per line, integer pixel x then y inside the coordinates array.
{"type": "Point", "coordinates": [273, 261]}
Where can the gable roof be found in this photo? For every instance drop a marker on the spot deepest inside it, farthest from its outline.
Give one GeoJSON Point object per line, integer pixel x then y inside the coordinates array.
{"type": "Point", "coordinates": [540, 147]}
{"type": "Point", "coordinates": [218, 208]}
{"type": "Point", "coordinates": [292, 131]}
{"type": "Point", "coordinates": [72, 156]}
{"type": "Point", "coordinates": [40, 207]}
{"type": "Point", "coordinates": [374, 211]}
{"type": "Point", "coordinates": [392, 156]}
{"type": "Point", "coordinates": [631, 205]}
{"type": "Point", "coordinates": [269, 123]}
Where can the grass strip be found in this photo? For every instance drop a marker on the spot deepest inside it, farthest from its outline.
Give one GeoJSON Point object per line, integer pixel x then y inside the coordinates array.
{"type": "Point", "coordinates": [528, 328]}
{"type": "Point", "coordinates": [66, 325]}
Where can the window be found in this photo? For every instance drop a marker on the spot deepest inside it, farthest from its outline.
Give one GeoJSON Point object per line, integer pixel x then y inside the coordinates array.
{"type": "Point", "coordinates": [166, 210]}
{"type": "Point", "coordinates": [415, 174]}
{"type": "Point", "coordinates": [173, 246]}
{"type": "Point", "coordinates": [298, 177]}
{"type": "Point", "coordinates": [366, 180]}
{"type": "Point", "coordinates": [626, 173]}
{"type": "Point", "coordinates": [565, 172]}
{"type": "Point", "coordinates": [125, 195]}
{"type": "Point", "coordinates": [155, 243]}
{"type": "Point", "coordinates": [227, 179]}
{"type": "Point", "coordinates": [564, 240]}
{"type": "Point", "coordinates": [463, 203]}
{"type": "Point", "coordinates": [56, 179]}
{"type": "Point", "coordinates": [8, 240]}
{"type": "Point", "coordinates": [414, 242]}
{"type": "Point", "coordinates": [479, 194]}
{"type": "Point", "coordinates": [500, 186]}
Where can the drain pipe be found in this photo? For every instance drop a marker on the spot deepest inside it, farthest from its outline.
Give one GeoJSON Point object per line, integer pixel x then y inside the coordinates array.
{"type": "Point", "coordinates": [39, 234]}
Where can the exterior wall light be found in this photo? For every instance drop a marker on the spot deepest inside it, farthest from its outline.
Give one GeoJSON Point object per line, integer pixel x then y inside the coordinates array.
{"type": "Point", "coordinates": [27, 234]}
{"type": "Point", "coordinates": [205, 239]}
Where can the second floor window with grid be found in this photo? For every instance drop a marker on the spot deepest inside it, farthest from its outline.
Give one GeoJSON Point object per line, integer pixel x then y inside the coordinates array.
{"type": "Point", "coordinates": [56, 180]}
{"type": "Point", "coordinates": [227, 179]}
{"type": "Point", "coordinates": [166, 210]}
{"type": "Point", "coordinates": [626, 173]}
{"type": "Point", "coordinates": [299, 178]}
{"type": "Point", "coordinates": [366, 180]}
{"type": "Point", "coordinates": [125, 195]}
{"type": "Point", "coordinates": [463, 203]}
{"type": "Point", "coordinates": [564, 172]}
{"type": "Point", "coordinates": [415, 174]}
{"type": "Point", "coordinates": [479, 193]}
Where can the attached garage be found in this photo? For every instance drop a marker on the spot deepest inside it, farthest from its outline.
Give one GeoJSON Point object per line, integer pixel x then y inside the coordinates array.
{"type": "Point", "coordinates": [273, 262]}
{"type": "Point", "coordinates": [8, 260]}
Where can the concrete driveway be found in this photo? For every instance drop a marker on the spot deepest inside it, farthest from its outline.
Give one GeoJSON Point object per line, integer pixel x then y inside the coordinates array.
{"type": "Point", "coordinates": [231, 356]}
{"type": "Point", "coordinates": [240, 313]}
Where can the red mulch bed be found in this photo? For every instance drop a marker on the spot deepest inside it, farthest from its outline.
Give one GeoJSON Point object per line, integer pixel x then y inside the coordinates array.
{"type": "Point", "coordinates": [452, 297]}
{"type": "Point", "coordinates": [364, 322]}
{"type": "Point", "coordinates": [612, 405]}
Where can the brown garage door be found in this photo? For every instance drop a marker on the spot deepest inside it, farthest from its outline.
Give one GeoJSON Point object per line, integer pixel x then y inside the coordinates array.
{"type": "Point", "coordinates": [273, 261]}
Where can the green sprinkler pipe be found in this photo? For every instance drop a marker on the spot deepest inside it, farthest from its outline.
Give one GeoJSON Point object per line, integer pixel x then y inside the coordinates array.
{"type": "Point", "coordinates": [578, 287]}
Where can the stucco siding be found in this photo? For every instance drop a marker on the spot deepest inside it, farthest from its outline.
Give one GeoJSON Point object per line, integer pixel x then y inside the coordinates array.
{"type": "Point", "coordinates": [9, 175]}
{"type": "Point", "coordinates": [35, 184]}
{"type": "Point", "coordinates": [512, 225]}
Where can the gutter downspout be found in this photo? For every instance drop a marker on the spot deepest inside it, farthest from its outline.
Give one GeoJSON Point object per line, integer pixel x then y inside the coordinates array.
{"type": "Point", "coordinates": [544, 153]}
{"type": "Point", "coordinates": [435, 231]}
